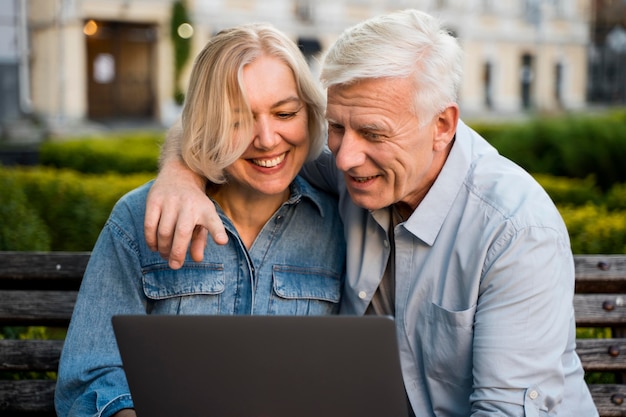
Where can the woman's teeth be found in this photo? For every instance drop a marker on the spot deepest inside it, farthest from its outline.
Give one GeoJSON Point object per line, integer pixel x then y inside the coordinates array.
{"type": "Point", "coordinates": [269, 163]}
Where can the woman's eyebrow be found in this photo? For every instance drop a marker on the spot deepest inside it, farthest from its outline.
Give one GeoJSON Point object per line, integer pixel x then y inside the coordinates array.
{"type": "Point", "coordinates": [292, 99]}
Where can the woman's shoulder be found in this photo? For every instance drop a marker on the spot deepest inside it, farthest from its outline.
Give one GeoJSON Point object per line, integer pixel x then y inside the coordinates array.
{"type": "Point", "coordinates": [326, 202]}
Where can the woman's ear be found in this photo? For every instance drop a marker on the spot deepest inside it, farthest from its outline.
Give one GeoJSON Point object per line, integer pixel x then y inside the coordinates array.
{"type": "Point", "coordinates": [445, 125]}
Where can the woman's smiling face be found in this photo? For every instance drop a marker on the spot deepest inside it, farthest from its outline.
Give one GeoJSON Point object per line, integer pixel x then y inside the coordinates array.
{"type": "Point", "coordinates": [280, 142]}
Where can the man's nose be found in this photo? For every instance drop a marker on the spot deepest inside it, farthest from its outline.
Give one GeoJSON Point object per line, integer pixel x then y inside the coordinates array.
{"type": "Point", "coordinates": [349, 152]}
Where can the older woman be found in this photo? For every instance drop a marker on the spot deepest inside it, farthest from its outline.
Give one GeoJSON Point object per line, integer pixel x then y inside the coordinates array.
{"type": "Point", "coordinates": [253, 115]}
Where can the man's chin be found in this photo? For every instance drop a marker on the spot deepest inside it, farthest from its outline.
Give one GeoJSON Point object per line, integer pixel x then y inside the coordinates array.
{"type": "Point", "coordinates": [366, 201]}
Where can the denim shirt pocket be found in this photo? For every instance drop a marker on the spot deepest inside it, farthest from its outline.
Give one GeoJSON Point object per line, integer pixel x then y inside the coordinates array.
{"type": "Point", "coordinates": [193, 289]}
{"type": "Point", "coordinates": [304, 291]}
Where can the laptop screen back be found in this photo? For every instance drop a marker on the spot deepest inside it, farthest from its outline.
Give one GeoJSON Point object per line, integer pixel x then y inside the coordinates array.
{"type": "Point", "coordinates": [262, 366]}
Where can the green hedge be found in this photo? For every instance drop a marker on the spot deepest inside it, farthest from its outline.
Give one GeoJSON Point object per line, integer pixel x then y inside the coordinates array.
{"type": "Point", "coordinates": [65, 210]}
{"type": "Point", "coordinates": [595, 229]}
{"type": "Point", "coordinates": [615, 198]}
{"type": "Point", "coordinates": [124, 153]}
{"type": "Point", "coordinates": [63, 205]}
{"type": "Point", "coordinates": [571, 191]}
{"type": "Point", "coordinates": [596, 221]}
{"type": "Point", "coordinates": [574, 146]}
{"type": "Point", "coordinates": [72, 206]}
{"type": "Point", "coordinates": [22, 228]}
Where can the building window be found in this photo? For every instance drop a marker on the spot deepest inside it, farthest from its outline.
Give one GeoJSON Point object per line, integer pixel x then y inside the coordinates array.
{"type": "Point", "coordinates": [532, 12]}
{"type": "Point", "coordinates": [310, 47]}
{"type": "Point", "coordinates": [304, 10]}
{"type": "Point", "coordinates": [488, 85]}
{"type": "Point", "coordinates": [558, 83]}
{"type": "Point", "coordinates": [526, 79]}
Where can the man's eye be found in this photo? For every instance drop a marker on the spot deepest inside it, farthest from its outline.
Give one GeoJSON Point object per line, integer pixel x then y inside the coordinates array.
{"type": "Point", "coordinates": [371, 136]}
{"type": "Point", "coordinates": [286, 115]}
{"type": "Point", "coordinates": [335, 127]}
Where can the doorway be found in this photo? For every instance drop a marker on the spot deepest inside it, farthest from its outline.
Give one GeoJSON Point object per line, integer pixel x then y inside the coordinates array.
{"type": "Point", "coordinates": [120, 70]}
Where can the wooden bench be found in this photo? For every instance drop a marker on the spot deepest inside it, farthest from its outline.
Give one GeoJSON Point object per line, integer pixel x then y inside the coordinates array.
{"type": "Point", "coordinates": [36, 289]}
{"type": "Point", "coordinates": [39, 289]}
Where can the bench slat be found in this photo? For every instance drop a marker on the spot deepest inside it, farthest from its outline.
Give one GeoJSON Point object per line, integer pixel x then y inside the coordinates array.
{"type": "Point", "coordinates": [28, 265]}
{"type": "Point", "coordinates": [600, 273]}
{"type": "Point", "coordinates": [606, 398]}
{"type": "Point", "coordinates": [600, 310]}
{"type": "Point", "coordinates": [26, 397]}
{"type": "Point", "coordinates": [602, 355]}
{"type": "Point", "coordinates": [30, 355]}
{"type": "Point", "coordinates": [36, 308]}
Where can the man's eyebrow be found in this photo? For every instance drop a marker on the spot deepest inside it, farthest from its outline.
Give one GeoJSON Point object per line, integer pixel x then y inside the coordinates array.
{"type": "Point", "coordinates": [367, 126]}
{"type": "Point", "coordinates": [370, 126]}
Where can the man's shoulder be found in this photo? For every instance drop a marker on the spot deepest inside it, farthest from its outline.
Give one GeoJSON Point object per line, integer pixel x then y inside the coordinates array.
{"type": "Point", "coordinates": [513, 192]}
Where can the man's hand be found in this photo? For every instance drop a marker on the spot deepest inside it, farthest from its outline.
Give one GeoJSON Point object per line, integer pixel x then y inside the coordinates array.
{"type": "Point", "coordinates": [179, 212]}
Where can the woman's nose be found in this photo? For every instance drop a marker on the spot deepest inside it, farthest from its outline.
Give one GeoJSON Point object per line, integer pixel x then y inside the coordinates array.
{"type": "Point", "coordinates": [265, 135]}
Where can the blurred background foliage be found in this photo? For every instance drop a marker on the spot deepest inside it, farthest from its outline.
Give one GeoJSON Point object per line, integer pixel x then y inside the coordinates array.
{"type": "Point", "coordinates": [62, 203]}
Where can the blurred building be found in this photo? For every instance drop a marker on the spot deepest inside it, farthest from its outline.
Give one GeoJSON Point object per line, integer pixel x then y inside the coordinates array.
{"type": "Point", "coordinates": [102, 60]}
{"type": "Point", "coordinates": [607, 53]}
{"type": "Point", "coordinates": [11, 54]}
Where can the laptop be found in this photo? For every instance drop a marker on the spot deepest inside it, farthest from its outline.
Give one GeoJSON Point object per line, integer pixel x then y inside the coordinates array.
{"type": "Point", "coordinates": [262, 366]}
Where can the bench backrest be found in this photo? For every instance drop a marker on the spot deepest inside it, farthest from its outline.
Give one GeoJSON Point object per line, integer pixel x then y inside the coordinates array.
{"type": "Point", "coordinates": [40, 288]}
{"type": "Point", "coordinates": [36, 289]}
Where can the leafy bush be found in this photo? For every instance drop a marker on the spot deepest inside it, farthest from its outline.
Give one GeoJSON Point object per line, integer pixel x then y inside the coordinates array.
{"type": "Point", "coordinates": [594, 229]}
{"type": "Point", "coordinates": [124, 153]}
{"type": "Point", "coordinates": [616, 197]}
{"type": "Point", "coordinates": [21, 228]}
{"type": "Point", "coordinates": [570, 191]}
{"type": "Point", "coordinates": [74, 206]}
{"type": "Point", "coordinates": [573, 146]}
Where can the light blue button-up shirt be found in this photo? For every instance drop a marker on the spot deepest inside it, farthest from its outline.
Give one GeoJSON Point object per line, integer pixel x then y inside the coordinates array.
{"type": "Point", "coordinates": [484, 288]}
{"type": "Point", "coordinates": [296, 266]}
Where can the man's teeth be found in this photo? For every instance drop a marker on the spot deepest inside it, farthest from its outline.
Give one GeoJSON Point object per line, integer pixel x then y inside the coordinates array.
{"type": "Point", "coordinates": [269, 163]}
{"type": "Point", "coordinates": [363, 179]}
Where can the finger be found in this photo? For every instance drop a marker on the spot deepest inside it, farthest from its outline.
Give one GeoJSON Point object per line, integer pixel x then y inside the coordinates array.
{"type": "Point", "coordinates": [179, 240]}
{"type": "Point", "coordinates": [212, 222]}
{"type": "Point", "coordinates": [151, 223]}
{"type": "Point", "coordinates": [166, 231]}
{"type": "Point", "coordinates": [198, 243]}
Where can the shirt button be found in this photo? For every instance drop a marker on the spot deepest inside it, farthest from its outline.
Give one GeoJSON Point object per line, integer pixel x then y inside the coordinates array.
{"type": "Point", "coordinates": [533, 394]}
{"type": "Point", "coordinates": [362, 295]}
{"type": "Point", "coordinates": [386, 243]}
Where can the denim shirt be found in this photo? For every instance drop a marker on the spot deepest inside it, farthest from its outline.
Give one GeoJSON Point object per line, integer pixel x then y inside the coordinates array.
{"type": "Point", "coordinates": [484, 286]}
{"type": "Point", "coordinates": [296, 266]}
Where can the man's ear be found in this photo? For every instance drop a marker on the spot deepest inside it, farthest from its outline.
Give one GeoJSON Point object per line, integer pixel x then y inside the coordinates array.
{"type": "Point", "coordinates": [445, 127]}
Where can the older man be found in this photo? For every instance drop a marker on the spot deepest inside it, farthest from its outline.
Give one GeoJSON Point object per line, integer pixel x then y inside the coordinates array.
{"type": "Point", "coordinates": [459, 244]}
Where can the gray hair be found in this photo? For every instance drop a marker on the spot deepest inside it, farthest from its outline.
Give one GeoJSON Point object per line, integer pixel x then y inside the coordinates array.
{"type": "Point", "coordinates": [399, 45]}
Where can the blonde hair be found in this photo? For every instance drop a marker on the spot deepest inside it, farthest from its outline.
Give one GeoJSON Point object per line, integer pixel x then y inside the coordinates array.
{"type": "Point", "coordinates": [216, 120]}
